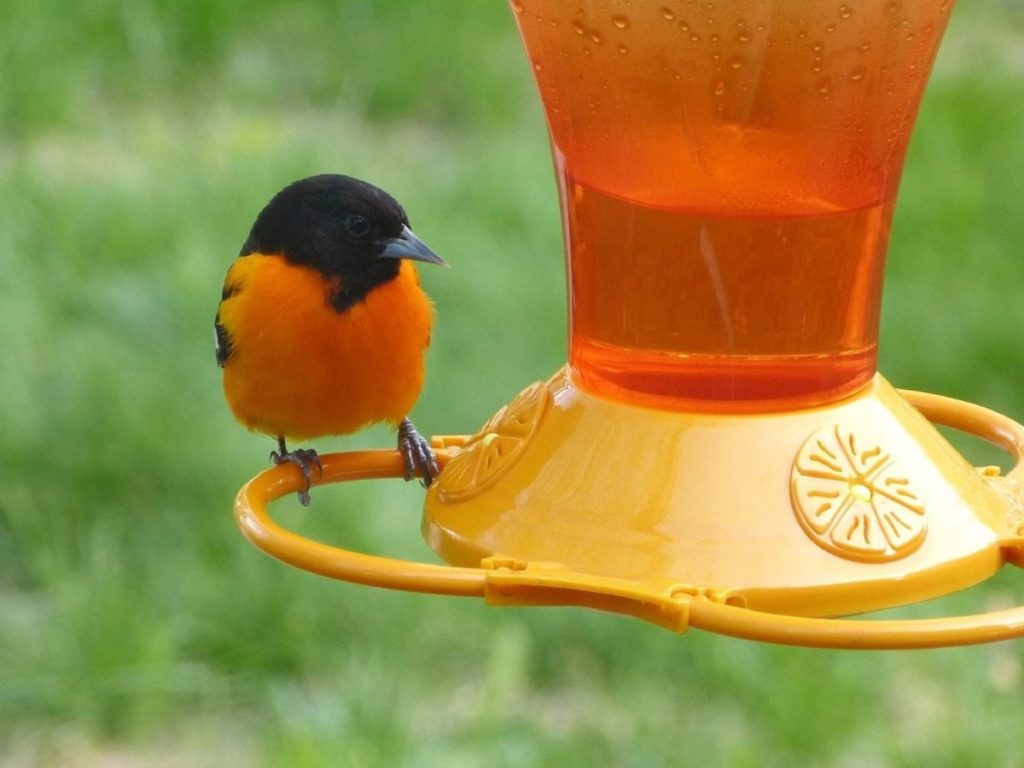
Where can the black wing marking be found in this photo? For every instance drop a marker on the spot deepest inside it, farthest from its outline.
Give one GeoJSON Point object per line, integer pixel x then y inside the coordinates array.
{"type": "Point", "coordinates": [222, 342]}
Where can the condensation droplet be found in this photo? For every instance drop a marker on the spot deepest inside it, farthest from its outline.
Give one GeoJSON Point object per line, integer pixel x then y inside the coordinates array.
{"type": "Point", "coordinates": [667, 13]}
{"type": "Point", "coordinates": [623, 50]}
{"type": "Point", "coordinates": [830, 28]}
{"type": "Point", "coordinates": [537, 66]}
{"type": "Point", "coordinates": [578, 28]}
{"type": "Point", "coordinates": [845, 12]}
{"type": "Point", "coordinates": [684, 26]}
{"type": "Point", "coordinates": [517, 6]}
{"type": "Point", "coordinates": [620, 21]}
{"type": "Point", "coordinates": [736, 62]}
{"type": "Point", "coordinates": [597, 37]}
{"type": "Point", "coordinates": [719, 87]}
{"type": "Point", "coordinates": [742, 37]}
{"type": "Point", "coordinates": [824, 86]}
{"type": "Point", "coordinates": [857, 74]}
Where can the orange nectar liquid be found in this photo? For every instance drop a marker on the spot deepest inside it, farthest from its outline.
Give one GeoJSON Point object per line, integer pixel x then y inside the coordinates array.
{"type": "Point", "coordinates": [728, 172]}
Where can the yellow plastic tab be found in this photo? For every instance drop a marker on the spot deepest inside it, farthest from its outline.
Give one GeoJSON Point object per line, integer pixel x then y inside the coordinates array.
{"type": "Point", "coordinates": [516, 582]}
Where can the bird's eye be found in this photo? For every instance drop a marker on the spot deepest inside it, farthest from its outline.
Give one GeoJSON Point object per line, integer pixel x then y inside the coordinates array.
{"type": "Point", "coordinates": [357, 226]}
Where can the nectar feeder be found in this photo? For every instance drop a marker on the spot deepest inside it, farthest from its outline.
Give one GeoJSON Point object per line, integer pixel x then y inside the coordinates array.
{"type": "Point", "coordinates": [719, 451]}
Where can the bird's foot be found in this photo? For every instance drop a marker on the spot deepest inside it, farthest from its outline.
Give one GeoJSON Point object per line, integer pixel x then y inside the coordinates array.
{"type": "Point", "coordinates": [305, 458]}
{"type": "Point", "coordinates": [419, 458]}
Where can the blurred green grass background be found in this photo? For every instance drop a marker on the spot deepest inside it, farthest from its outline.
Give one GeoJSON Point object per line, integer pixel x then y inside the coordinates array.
{"type": "Point", "coordinates": [137, 141]}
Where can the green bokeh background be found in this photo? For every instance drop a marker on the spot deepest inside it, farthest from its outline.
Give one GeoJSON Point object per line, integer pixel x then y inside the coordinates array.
{"type": "Point", "coordinates": [137, 628]}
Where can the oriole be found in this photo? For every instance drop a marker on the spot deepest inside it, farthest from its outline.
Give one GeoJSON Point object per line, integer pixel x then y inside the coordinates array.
{"type": "Point", "coordinates": [322, 325]}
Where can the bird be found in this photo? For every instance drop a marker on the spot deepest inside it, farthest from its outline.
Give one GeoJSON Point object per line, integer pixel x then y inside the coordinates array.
{"type": "Point", "coordinates": [322, 326]}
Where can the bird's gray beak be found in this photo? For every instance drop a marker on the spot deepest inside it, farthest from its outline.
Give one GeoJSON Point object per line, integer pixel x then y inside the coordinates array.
{"type": "Point", "coordinates": [408, 246]}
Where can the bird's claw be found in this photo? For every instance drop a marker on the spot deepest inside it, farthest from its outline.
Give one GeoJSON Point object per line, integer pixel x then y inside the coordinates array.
{"type": "Point", "coordinates": [306, 459]}
{"type": "Point", "coordinates": [416, 453]}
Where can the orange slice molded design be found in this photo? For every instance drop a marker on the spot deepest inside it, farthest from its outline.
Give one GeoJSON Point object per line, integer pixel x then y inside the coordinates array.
{"type": "Point", "coordinates": [852, 500]}
{"type": "Point", "coordinates": [494, 449]}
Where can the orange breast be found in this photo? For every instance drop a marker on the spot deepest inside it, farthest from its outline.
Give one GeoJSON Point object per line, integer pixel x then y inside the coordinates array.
{"type": "Point", "coordinates": [301, 369]}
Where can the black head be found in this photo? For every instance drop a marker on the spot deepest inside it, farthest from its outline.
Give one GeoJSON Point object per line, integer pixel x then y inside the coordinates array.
{"type": "Point", "coordinates": [342, 227]}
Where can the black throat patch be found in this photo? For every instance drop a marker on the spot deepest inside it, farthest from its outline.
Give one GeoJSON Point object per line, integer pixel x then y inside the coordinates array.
{"type": "Point", "coordinates": [352, 288]}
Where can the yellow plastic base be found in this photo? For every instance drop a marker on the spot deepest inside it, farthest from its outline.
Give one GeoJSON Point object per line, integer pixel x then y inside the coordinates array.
{"type": "Point", "coordinates": [829, 511]}
{"type": "Point", "coordinates": [745, 526]}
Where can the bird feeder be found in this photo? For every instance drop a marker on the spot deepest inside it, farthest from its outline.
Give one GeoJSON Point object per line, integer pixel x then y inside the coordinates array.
{"type": "Point", "coordinates": [719, 451]}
